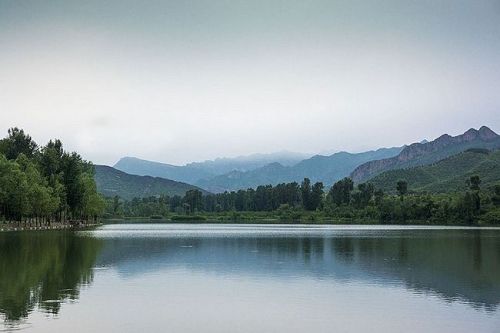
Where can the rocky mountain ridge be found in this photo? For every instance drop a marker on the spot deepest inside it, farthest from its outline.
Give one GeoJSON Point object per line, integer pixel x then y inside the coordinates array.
{"type": "Point", "coordinates": [418, 154]}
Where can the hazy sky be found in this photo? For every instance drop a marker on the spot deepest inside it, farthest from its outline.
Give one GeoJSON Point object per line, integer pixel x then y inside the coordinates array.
{"type": "Point", "coordinates": [177, 81]}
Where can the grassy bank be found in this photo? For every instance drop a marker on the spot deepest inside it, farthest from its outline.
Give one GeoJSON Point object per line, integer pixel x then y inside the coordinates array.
{"type": "Point", "coordinates": [318, 218]}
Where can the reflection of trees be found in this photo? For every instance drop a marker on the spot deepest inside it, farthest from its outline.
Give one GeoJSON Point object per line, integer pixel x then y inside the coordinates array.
{"type": "Point", "coordinates": [42, 269]}
{"type": "Point", "coordinates": [455, 264]}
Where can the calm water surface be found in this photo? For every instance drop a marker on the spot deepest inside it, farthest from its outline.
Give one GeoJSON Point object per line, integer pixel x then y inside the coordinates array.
{"type": "Point", "coordinates": [247, 278]}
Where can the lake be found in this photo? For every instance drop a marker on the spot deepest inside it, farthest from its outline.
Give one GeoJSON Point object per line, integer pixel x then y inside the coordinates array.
{"type": "Point", "coordinates": [251, 278]}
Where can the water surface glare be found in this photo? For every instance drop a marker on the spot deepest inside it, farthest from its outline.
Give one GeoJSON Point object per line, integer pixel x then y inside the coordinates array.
{"type": "Point", "coordinates": [251, 278]}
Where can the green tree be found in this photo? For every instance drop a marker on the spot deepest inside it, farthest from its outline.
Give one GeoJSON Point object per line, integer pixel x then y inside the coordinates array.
{"type": "Point", "coordinates": [116, 205]}
{"type": "Point", "coordinates": [402, 188]}
{"type": "Point", "coordinates": [193, 200]}
{"type": "Point", "coordinates": [17, 142]}
{"type": "Point", "coordinates": [340, 192]}
{"type": "Point", "coordinates": [468, 208]}
{"type": "Point", "coordinates": [474, 183]}
{"type": "Point", "coordinates": [378, 195]}
{"type": "Point", "coordinates": [93, 204]}
{"type": "Point", "coordinates": [14, 189]}
{"type": "Point", "coordinates": [496, 195]}
{"type": "Point", "coordinates": [306, 192]}
{"type": "Point", "coordinates": [316, 196]}
{"type": "Point", "coordinates": [41, 200]}
{"type": "Point", "coordinates": [364, 195]}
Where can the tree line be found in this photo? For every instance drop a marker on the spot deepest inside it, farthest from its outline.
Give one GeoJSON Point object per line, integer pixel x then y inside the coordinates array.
{"type": "Point", "coordinates": [40, 184]}
{"type": "Point", "coordinates": [343, 200]}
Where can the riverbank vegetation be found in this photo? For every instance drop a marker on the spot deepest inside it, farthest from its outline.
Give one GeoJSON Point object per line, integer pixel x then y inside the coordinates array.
{"type": "Point", "coordinates": [311, 203]}
{"type": "Point", "coordinates": [43, 184]}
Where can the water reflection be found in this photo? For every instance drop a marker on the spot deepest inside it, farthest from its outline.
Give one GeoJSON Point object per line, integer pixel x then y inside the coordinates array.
{"type": "Point", "coordinates": [327, 267]}
{"type": "Point", "coordinates": [456, 264]}
{"type": "Point", "coordinates": [42, 270]}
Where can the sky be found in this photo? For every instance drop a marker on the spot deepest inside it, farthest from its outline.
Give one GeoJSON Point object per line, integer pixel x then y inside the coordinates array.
{"type": "Point", "coordinates": [181, 81]}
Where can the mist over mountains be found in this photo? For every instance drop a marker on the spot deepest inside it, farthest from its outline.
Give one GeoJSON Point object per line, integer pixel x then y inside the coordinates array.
{"type": "Point", "coordinates": [194, 172]}
{"type": "Point", "coordinates": [326, 169]}
{"type": "Point", "coordinates": [231, 174]}
{"type": "Point", "coordinates": [228, 174]}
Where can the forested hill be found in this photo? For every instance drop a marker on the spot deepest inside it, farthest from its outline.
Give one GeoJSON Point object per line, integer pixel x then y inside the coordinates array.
{"type": "Point", "coordinates": [418, 154]}
{"type": "Point", "coordinates": [111, 182]}
{"type": "Point", "coordinates": [448, 175]}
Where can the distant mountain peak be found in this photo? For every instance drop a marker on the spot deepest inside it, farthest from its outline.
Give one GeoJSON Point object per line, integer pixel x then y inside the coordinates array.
{"type": "Point", "coordinates": [132, 159]}
{"type": "Point", "coordinates": [425, 153]}
{"type": "Point", "coordinates": [442, 139]}
{"type": "Point", "coordinates": [486, 133]}
{"type": "Point", "coordinates": [471, 134]}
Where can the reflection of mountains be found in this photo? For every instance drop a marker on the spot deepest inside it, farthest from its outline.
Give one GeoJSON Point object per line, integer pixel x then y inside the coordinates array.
{"type": "Point", "coordinates": [455, 264]}
{"type": "Point", "coordinates": [42, 269]}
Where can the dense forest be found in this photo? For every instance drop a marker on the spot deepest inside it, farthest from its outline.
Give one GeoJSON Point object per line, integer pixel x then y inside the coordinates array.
{"type": "Point", "coordinates": [343, 202]}
{"type": "Point", "coordinates": [43, 184]}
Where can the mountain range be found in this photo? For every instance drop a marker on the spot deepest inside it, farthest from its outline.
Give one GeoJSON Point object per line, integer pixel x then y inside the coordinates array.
{"type": "Point", "coordinates": [326, 169]}
{"type": "Point", "coordinates": [196, 171]}
{"type": "Point", "coordinates": [430, 152]}
{"type": "Point", "coordinates": [133, 177]}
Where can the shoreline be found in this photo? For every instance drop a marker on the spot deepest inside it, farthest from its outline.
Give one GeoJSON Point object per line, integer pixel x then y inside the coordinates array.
{"type": "Point", "coordinates": [15, 227]}
{"type": "Point", "coordinates": [9, 227]}
{"type": "Point", "coordinates": [271, 221]}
